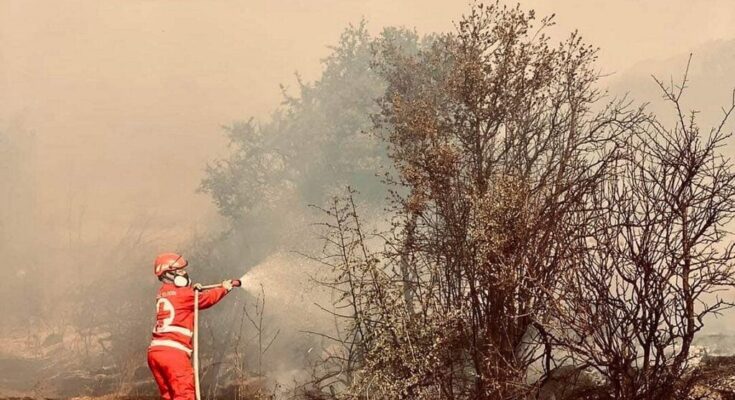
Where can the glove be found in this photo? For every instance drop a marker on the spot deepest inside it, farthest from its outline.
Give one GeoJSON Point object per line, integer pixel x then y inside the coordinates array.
{"type": "Point", "coordinates": [197, 287]}
{"type": "Point", "coordinates": [227, 285]}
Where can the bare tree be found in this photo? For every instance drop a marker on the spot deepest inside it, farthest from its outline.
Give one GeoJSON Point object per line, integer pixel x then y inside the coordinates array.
{"type": "Point", "coordinates": [264, 339]}
{"type": "Point", "coordinates": [249, 374]}
{"type": "Point", "coordinates": [655, 258]}
{"type": "Point", "coordinates": [356, 277]}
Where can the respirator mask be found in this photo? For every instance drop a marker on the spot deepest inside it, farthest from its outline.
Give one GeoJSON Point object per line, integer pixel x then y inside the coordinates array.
{"type": "Point", "coordinates": [179, 278]}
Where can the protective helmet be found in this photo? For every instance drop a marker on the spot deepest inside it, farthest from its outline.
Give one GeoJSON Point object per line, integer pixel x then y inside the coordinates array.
{"type": "Point", "coordinates": [168, 262]}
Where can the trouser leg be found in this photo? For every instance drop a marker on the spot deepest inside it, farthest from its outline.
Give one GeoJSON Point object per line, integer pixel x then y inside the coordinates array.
{"type": "Point", "coordinates": [159, 374]}
{"type": "Point", "coordinates": [174, 367]}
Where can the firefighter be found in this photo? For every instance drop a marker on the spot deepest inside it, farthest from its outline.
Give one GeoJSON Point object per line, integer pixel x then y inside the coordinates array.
{"type": "Point", "coordinates": [170, 350]}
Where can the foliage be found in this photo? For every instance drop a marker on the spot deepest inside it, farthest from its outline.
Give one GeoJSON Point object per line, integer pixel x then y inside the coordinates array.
{"type": "Point", "coordinates": [537, 231]}
{"type": "Point", "coordinates": [496, 151]}
{"type": "Point", "coordinates": [316, 142]}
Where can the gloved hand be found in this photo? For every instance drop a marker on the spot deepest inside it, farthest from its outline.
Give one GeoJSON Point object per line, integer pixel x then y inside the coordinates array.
{"type": "Point", "coordinates": [197, 287]}
{"type": "Point", "coordinates": [227, 285]}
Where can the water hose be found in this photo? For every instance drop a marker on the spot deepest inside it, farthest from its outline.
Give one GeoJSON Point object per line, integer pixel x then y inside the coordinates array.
{"type": "Point", "coordinates": [195, 334]}
{"type": "Point", "coordinates": [195, 345]}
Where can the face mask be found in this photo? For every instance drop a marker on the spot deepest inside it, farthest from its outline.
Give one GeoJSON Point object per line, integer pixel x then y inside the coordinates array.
{"type": "Point", "coordinates": [181, 281]}
{"type": "Point", "coordinates": [179, 278]}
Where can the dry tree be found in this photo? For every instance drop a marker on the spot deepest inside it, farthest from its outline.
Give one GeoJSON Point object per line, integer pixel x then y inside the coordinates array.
{"type": "Point", "coordinates": [655, 257]}
{"type": "Point", "coordinates": [497, 152]}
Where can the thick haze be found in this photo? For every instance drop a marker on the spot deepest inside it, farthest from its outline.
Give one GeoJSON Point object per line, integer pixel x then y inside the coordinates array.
{"type": "Point", "coordinates": [110, 111]}
{"type": "Point", "coordinates": [125, 98]}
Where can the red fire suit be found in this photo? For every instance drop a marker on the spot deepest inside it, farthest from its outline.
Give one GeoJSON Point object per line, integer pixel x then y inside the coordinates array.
{"type": "Point", "coordinates": [170, 350]}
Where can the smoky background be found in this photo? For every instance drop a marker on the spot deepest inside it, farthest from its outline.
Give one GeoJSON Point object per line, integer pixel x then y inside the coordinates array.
{"type": "Point", "coordinates": [110, 114]}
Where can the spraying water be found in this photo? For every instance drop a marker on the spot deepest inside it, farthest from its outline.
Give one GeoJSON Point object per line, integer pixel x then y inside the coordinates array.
{"type": "Point", "coordinates": [283, 278]}
{"type": "Point", "coordinates": [292, 307]}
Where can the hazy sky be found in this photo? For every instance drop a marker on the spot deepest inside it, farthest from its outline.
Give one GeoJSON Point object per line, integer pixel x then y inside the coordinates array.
{"type": "Point", "coordinates": [126, 96]}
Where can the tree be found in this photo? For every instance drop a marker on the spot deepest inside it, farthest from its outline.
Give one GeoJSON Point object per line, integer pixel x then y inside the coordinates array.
{"type": "Point", "coordinates": [655, 257]}
{"type": "Point", "coordinates": [316, 142]}
{"type": "Point", "coordinates": [313, 145]}
{"type": "Point", "coordinates": [496, 151]}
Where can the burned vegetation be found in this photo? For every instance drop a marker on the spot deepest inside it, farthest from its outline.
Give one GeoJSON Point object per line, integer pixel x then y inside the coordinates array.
{"type": "Point", "coordinates": [528, 236]}
{"type": "Point", "coordinates": [544, 241]}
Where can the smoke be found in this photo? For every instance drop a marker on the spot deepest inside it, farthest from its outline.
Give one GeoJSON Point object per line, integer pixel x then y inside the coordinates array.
{"type": "Point", "coordinates": [108, 116]}
{"type": "Point", "coordinates": [294, 306]}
